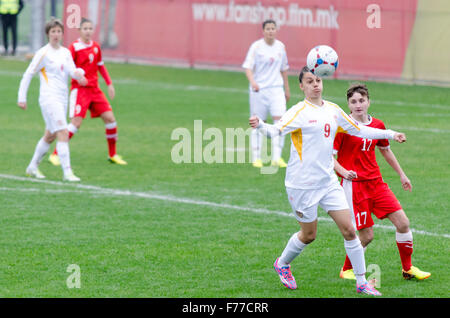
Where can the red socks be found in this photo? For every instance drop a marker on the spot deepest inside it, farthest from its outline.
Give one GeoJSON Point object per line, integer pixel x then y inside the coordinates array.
{"type": "Point", "coordinates": [111, 138]}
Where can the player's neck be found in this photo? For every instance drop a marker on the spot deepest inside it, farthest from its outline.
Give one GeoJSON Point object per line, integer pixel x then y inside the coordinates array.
{"type": "Point", "coordinates": [315, 100]}
{"type": "Point", "coordinates": [363, 118]}
{"type": "Point", "coordinates": [269, 41]}
{"type": "Point", "coordinates": [85, 41]}
{"type": "Point", "coordinates": [55, 45]}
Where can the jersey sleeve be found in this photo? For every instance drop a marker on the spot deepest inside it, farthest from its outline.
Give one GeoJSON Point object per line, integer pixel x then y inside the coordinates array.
{"type": "Point", "coordinates": [383, 143]}
{"type": "Point", "coordinates": [353, 128]}
{"type": "Point", "coordinates": [37, 63]}
{"type": "Point", "coordinates": [250, 58]}
{"type": "Point", "coordinates": [70, 66]}
{"type": "Point", "coordinates": [289, 122]}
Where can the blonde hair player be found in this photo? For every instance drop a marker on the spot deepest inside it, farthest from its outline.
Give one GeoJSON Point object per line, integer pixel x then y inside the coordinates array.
{"type": "Point", "coordinates": [364, 187]}
{"type": "Point", "coordinates": [266, 67]}
{"type": "Point", "coordinates": [54, 64]}
{"type": "Point", "coordinates": [310, 179]}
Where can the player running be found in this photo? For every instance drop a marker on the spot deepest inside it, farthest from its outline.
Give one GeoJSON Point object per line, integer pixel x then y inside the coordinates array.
{"type": "Point", "coordinates": [266, 68]}
{"type": "Point", "coordinates": [310, 179]}
{"type": "Point", "coordinates": [54, 64]}
{"type": "Point", "coordinates": [88, 56]}
{"type": "Point", "coordinates": [364, 186]}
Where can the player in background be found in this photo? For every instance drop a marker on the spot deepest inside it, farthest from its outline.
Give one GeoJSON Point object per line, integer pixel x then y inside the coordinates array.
{"type": "Point", "coordinates": [54, 64]}
{"type": "Point", "coordinates": [266, 68]}
{"type": "Point", "coordinates": [364, 186]}
{"type": "Point", "coordinates": [310, 179]}
{"type": "Point", "coordinates": [88, 56]}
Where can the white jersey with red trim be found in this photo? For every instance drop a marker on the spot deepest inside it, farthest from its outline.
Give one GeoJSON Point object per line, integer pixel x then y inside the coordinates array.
{"type": "Point", "coordinates": [313, 129]}
{"type": "Point", "coordinates": [54, 67]}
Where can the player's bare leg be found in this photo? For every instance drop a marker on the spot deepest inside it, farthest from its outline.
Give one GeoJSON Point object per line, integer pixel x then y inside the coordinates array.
{"type": "Point", "coordinates": [111, 137]}
{"type": "Point", "coordinates": [404, 240]}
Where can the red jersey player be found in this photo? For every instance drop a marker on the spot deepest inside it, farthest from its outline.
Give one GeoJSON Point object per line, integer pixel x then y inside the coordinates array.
{"type": "Point", "coordinates": [365, 189]}
{"type": "Point", "coordinates": [88, 56]}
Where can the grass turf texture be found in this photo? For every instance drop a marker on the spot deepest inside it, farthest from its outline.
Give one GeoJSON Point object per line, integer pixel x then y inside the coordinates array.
{"type": "Point", "coordinates": [136, 246]}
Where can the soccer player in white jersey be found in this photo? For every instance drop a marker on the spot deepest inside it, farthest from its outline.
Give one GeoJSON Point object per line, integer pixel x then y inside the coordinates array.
{"type": "Point", "coordinates": [54, 64]}
{"type": "Point", "coordinates": [266, 68]}
{"type": "Point", "coordinates": [310, 179]}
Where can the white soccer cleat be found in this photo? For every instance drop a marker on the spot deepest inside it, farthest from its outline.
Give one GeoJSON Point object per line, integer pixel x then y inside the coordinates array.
{"type": "Point", "coordinates": [34, 173]}
{"type": "Point", "coordinates": [71, 177]}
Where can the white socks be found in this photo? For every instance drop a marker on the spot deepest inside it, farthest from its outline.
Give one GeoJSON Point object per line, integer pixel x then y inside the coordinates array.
{"type": "Point", "coordinates": [404, 237]}
{"type": "Point", "coordinates": [293, 249]}
{"type": "Point", "coordinates": [39, 153]}
{"type": "Point", "coordinates": [72, 128]}
{"type": "Point", "coordinates": [64, 156]}
{"type": "Point", "coordinates": [355, 253]}
{"type": "Point", "coordinates": [256, 140]}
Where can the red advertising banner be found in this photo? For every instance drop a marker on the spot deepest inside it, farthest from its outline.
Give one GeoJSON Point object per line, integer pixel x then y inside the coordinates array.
{"type": "Point", "coordinates": [371, 39]}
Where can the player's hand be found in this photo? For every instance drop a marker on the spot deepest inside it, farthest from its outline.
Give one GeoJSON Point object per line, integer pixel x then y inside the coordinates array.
{"type": "Point", "coordinates": [400, 137]}
{"type": "Point", "coordinates": [83, 81]}
{"type": "Point", "coordinates": [406, 184]}
{"type": "Point", "coordinates": [254, 121]}
{"type": "Point", "coordinates": [255, 87]}
{"type": "Point", "coordinates": [350, 175]}
{"type": "Point", "coordinates": [22, 105]}
{"type": "Point", "coordinates": [78, 73]}
{"type": "Point", "coordinates": [111, 91]}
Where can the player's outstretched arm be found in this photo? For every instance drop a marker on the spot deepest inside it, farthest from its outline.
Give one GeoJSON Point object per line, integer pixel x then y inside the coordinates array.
{"type": "Point", "coordinates": [266, 129]}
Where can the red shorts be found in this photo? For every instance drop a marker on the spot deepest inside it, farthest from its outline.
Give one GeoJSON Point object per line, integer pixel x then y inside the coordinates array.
{"type": "Point", "coordinates": [84, 98]}
{"type": "Point", "coordinates": [372, 196]}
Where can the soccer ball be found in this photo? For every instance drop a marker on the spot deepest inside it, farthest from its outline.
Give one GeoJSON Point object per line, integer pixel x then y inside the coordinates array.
{"type": "Point", "coordinates": [322, 60]}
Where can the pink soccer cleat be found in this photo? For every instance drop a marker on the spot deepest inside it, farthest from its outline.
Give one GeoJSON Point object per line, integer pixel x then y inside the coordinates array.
{"type": "Point", "coordinates": [285, 275]}
{"type": "Point", "coordinates": [368, 289]}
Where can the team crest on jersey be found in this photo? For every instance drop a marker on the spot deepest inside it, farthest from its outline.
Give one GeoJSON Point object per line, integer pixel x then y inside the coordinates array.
{"type": "Point", "coordinates": [91, 58]}
{"type": "Point", "coordinates": [95, 50]}
{"type": "Point", "coordinates": [62, 67]}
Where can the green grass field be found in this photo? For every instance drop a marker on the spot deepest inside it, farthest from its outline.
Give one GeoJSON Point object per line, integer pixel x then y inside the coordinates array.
{"type": "Point", "coordinates": [159, 229]}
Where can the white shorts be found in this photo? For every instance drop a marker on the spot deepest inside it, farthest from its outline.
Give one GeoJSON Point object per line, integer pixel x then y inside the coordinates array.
{"type": "Point", "coordinates": [304, 202]}
{"type": "Point", "coordinates": [267, 100]}
{"type": "Point", "coordinates": [54, 114]}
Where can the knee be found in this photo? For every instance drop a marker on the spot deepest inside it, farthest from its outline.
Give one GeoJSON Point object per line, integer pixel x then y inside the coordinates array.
{"type": "Point", "coordinates": [108, 118]}
{"type": "Point", "coordinates": [76, 121]}
{"type": "Point", "coordinates": [366, 237]}
{"type": "Point", "coordinates": [402, 224]}
{"type": "Point", "coordinates": [307, 236]}
{"type": "Point", "coordinates": [349, 233]}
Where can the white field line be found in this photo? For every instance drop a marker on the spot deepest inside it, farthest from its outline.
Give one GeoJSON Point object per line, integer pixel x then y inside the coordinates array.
{"type": "Point", "coordinates": [168, 198]}
{"type": "Point", "coordinates": [154, 84]}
